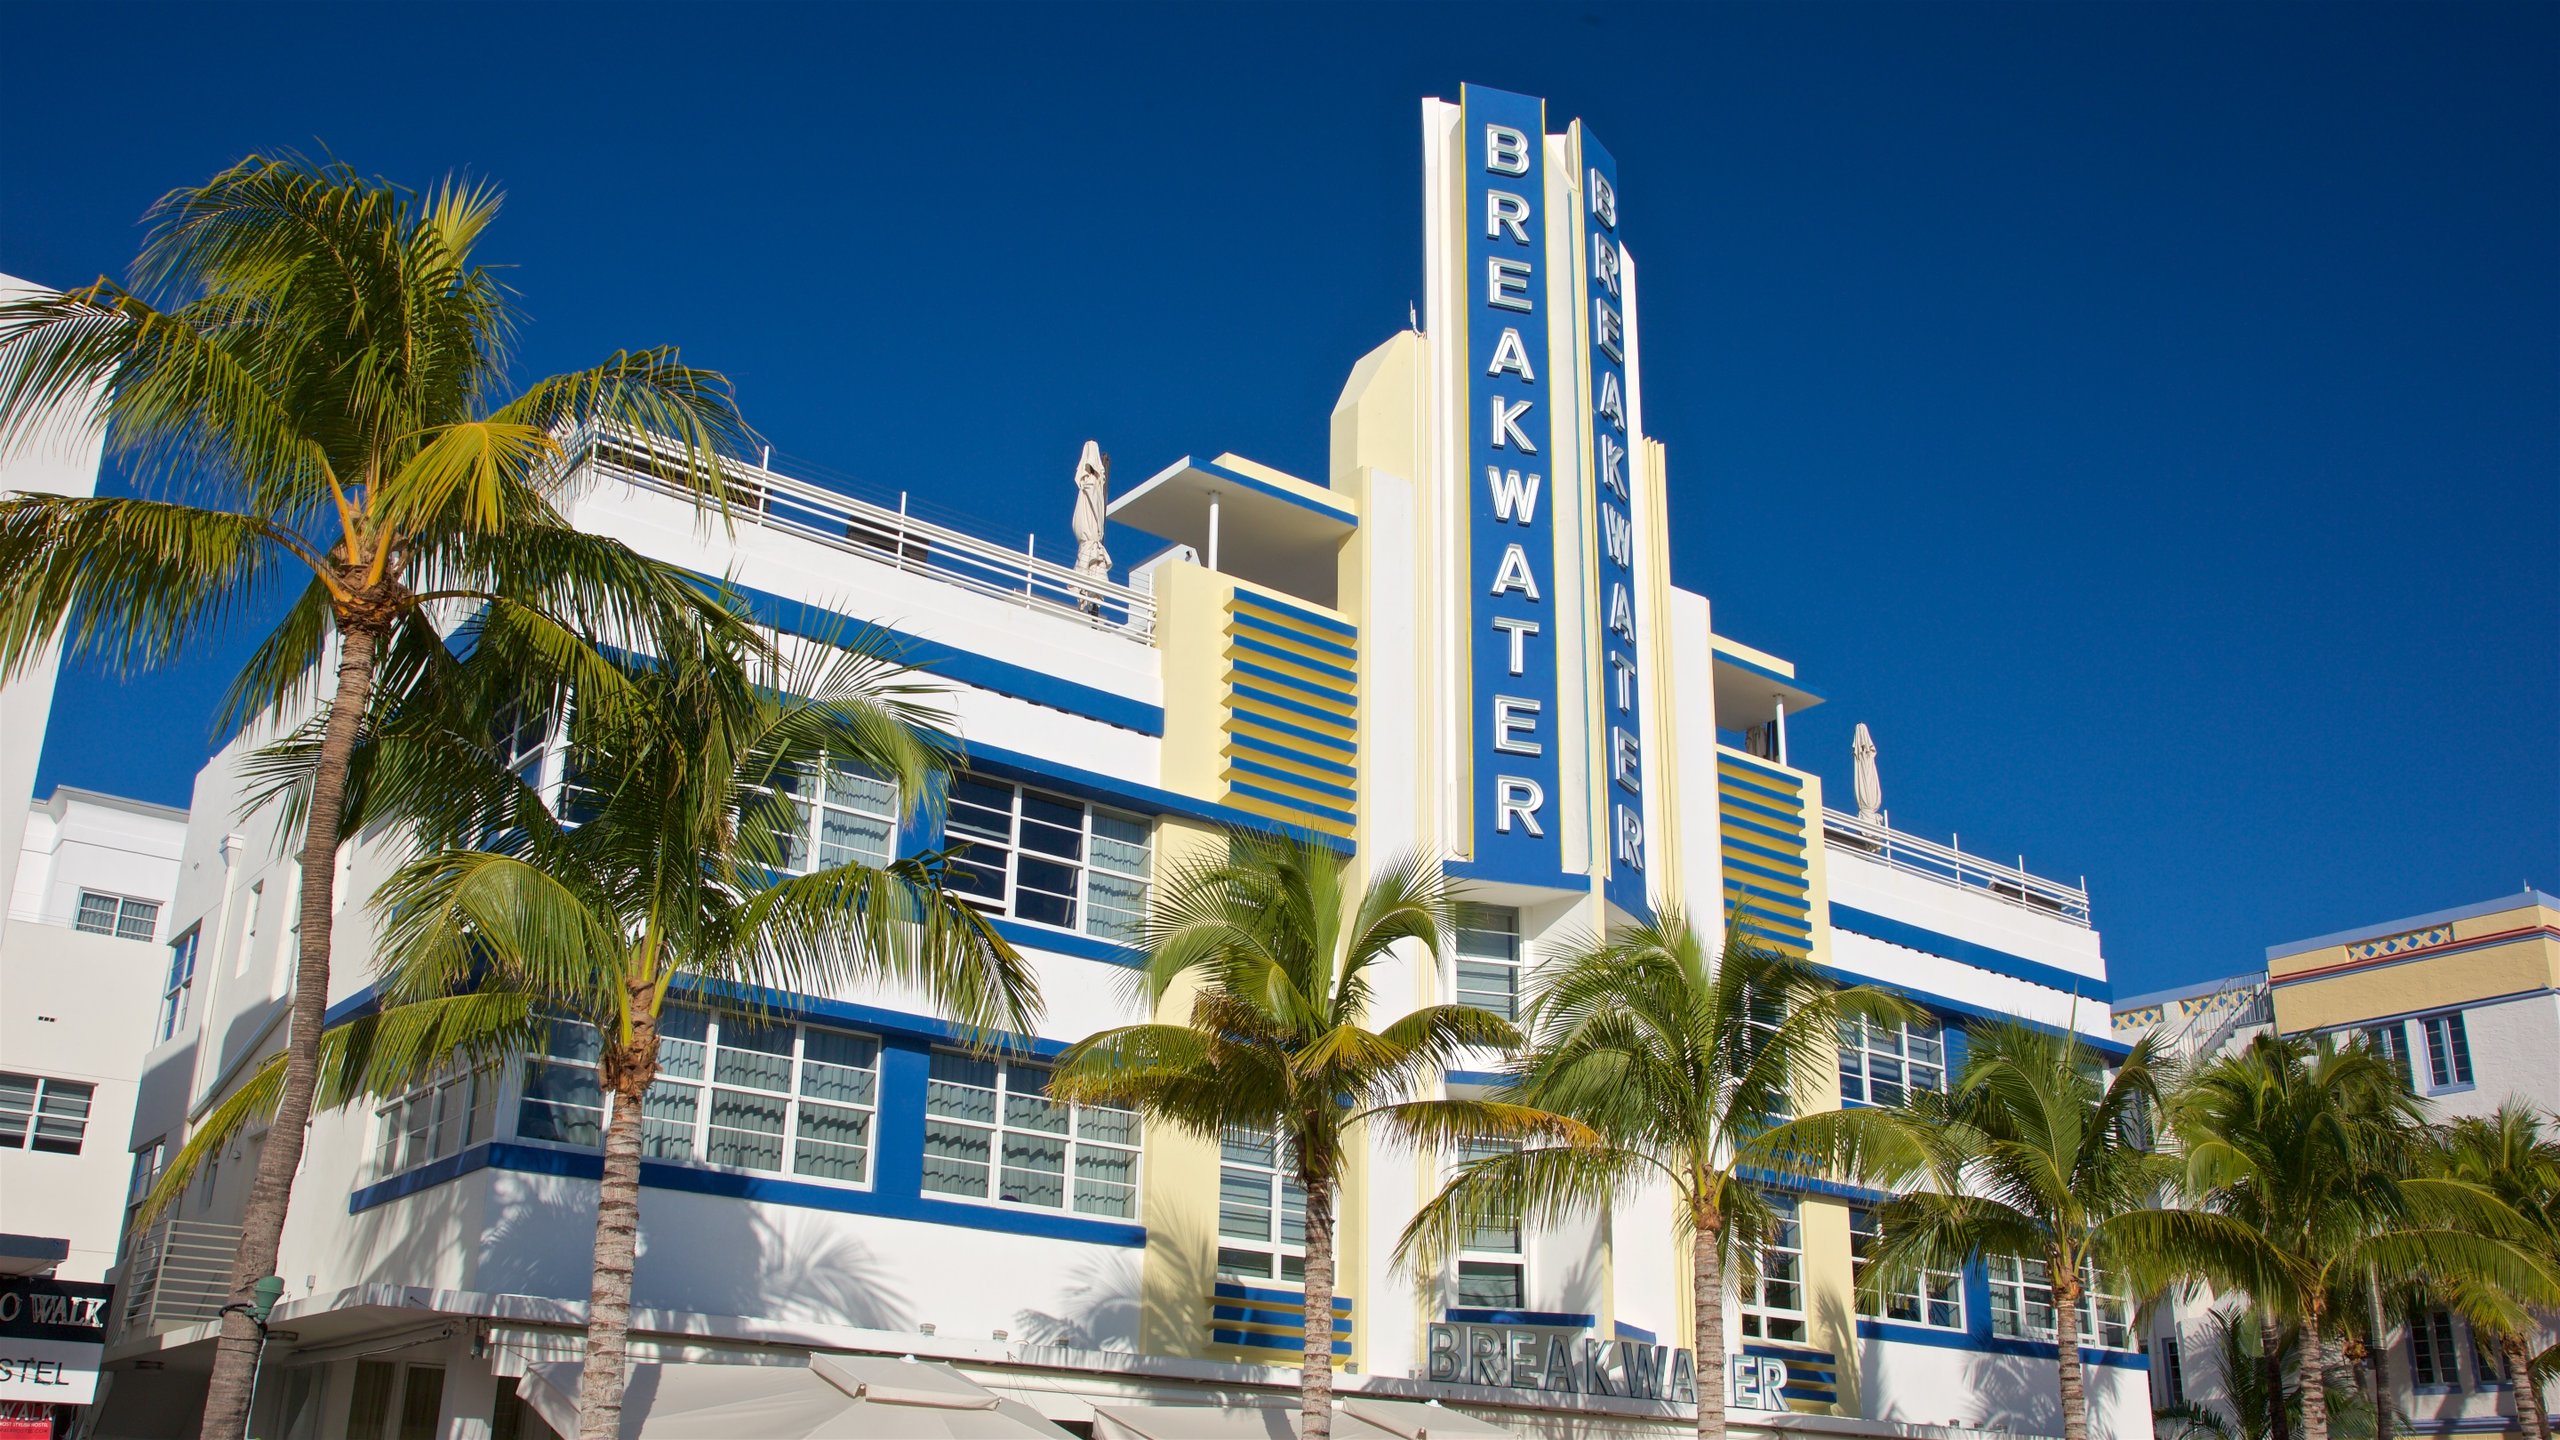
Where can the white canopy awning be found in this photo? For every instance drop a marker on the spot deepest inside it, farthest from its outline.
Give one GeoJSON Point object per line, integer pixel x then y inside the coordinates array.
{"type": "Point", "coordinates": [836, 1397]}
{"type": "Point", "coordinates": [1353, 1419]}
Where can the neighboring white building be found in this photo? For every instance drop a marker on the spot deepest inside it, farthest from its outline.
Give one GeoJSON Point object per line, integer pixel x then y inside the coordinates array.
{"type": "Point", "coordinates": [82, 973]}
{"type": "Point", "coordinates": [2467, 1002]}
{"type": "Point", "coordinates": [1464, 640]}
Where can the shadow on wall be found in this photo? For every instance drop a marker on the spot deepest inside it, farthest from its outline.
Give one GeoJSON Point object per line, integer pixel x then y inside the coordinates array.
{"type": "Point", "coordinates": [2014, 1393]}
{"type": "Point", "coordinates": [1173, 1310]}
{"type": "Point", "coordinates": [1105, 1311]}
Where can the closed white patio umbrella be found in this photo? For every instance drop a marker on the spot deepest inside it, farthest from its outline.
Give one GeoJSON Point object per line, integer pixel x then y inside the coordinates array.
{"type": "Point", "coordinates": [1353, 1419]}
{"type": "Point", "coordinates": [836, 1397]}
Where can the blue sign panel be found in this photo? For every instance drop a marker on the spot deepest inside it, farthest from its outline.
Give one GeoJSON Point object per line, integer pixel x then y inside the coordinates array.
{"type": "Point", "coordinates": [1621, 718]}
{"type": "Point", "coordinates": [1509, 418]}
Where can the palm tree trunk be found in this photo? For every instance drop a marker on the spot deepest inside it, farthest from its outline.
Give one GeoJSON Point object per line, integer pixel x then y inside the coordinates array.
{"type": "Point", "coordinates": [1315, 1367]}
{"type": "Point", "coordinates": [2386, 1405]}
{"type": "Point", "coordinates": [2531, 1418]}
{"type": "Point", "coordinates": [2271, 1360]}
{"type": "Point", "coordinates": [2313, 1369]}
{"type": "Point", "coordinates": [235, 1356]}
{"type": "Point", "coordinates": [2066, 1346]}
{"type": "Point", "coordinates": [1706, 1297]}
{"type": "Point", "coordinates": [628, 1072]}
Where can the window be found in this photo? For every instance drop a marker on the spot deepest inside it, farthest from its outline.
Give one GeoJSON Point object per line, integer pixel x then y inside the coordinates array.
{"type": "Point", "coordinates": [2448, 1050]}
{"type": "Point", "coordinates": [1262, 1212]}
{"type": "Point", "coordinates": [2391, 1042]}
{"type": "Point", "coordinates": [37, 1113]}
{"type": "Point", "coordinates": [848, 815]}
{"type": "Point", "coordinates": [2022, 1304]}
{"type": "Point", "coordinates": [2431, 1359]}
{"type": "Point", "coordinates": [1773, 1303]}
{"type": "Point", "coordinates": [1047, 859]}
{"type": "Point", "coordinates": [148, 1162]}
{"type": "Point", "coordinates": [2168, 1372]}
{"type": "Point", "coordinates": [2488, 1365]}
{"type": "Point", "coordinates": [434, 1121]}
{"type": "Point", "coordinates": [1490, 1273]}
{"type": "Point", "coordinates": [730, 1092]}
{"type": "Point", "coordinates": [992, 1132]}
{"type": "Point", "coordinates": [1881, 1062]}
{"type": "Point", "coordinates": [1927, 1297]}
{"type": "Point", "coordinates": [119, 915]}
{"type": "Point", "coordinates": [521, 734]}
{"type": "Point", "coordinates": [179, 988]}
{"type": "Point", "coordinates": [1488, 963]}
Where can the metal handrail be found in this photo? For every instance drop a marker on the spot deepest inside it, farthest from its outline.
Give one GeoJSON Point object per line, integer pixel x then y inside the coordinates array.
{"type": "Point", "coordinates": [177, 1273]}
{"type": "Point", "coordinates": [876, 533]}
{"type": "Point", "coordinates": [1951, 866]}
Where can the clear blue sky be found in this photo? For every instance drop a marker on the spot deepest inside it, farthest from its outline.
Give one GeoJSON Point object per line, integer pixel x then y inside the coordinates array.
{"type": "Point", "coordinates": [2146, 417]}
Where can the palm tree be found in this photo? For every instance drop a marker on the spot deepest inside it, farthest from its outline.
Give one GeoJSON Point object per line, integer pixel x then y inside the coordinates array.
{"type": "Point", "coordinates": [1684, 1062]}
{"type": "Point", "coordinates": [668, 866]}
{"type": "Point", "coordinates": [313, 371]}
{"type": "Point", "coordinates": [2248, 1410]}
{"type": "Point", "coordinates": [2514, 1156]}
{"type": "Point", "coordinates": [1285, 953]}
{"type": "Point", "coordinates": [2035, 1153]}
{"type": "Point", "coordinates": [2305, 1144]}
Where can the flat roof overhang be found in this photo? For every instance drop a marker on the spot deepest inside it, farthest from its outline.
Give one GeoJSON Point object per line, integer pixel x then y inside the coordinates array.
{"type": "Point", "coordinates": [1273, 529]}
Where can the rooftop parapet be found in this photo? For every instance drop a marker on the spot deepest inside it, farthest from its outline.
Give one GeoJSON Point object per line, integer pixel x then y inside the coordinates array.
{"type": "Point", "coordinates": [1949, 865]}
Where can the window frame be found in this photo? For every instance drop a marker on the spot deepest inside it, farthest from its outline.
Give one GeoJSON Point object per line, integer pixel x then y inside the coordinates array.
{"type": "Point", "coordinates": [1792, 1324]}
{"type": "Point", "coordinates": [1921, 1294]}
{"type": "Point", "coordinates": [1496, 923]}
{"type": "Point", "coordinates": [1865, 1052]}
{"type": "Point", "coordinates": [702, 1090]}
{"type": "Point", "coordinates": [1509, 1252]}
{"type": "Point", "coordinates": [2448, 1051]}
{"type": "Point", "coordinates": [28, 1134]}
{"type": "Point", "coordinates": [177, 986]}
{"type": "Point", "coordinates": [1281, 1197]}
{"type": "Point", "coordinates": [973, 847]}
{"type": "Point", "coordinates": [2434, 1354]}
{"type": "Point", "coordinates": [458, 1108]}
{"type": "Point", "coordinates": [2102, 1307]}
{"type": "Point", "coordinates": [2391, 1042]}
{"type": "Point", "coordinates": [122, 911]}
{"type": "Point", "coordinates": [1074, 1143]}
{"type": "Point", "coordinates": [810, 792]}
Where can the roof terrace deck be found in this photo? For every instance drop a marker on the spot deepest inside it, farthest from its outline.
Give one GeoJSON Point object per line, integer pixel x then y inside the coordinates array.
{"type": "Point", "coordinates": [1951, 866]}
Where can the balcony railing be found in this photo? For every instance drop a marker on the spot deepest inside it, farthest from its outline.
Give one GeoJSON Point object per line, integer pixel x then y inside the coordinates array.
{"type": "Point", "coordinates": [176, 1274]}
{"type": "Point", "coordinates": [1951, 866]}
{"type": "Point", "coordinates": [876, 533]}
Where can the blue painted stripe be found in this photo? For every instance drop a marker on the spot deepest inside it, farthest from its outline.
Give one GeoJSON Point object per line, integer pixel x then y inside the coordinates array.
{"type": "Point", "coordinates": [1793, 836]}
{"type": "Point", "coordinates": [1349, 725]}
{"type": "Point", "coordinates": [1949, 1005]}
{"type": "Point", "coordinates": [1794, 876]}
{"type": "Point", "coordinates": [1736, 802]}
{"type": "Point", "coordinates": [1251, 1341]}
{"type": "Point", "coordinates": [1349, 678]}
{"type": "Point", "coordinates": [1295, 1319]}
{"type": "Point", "coordinates": [1129, 794]}
{"type": "Point", "coordinates": [1290, 777]}
{"type": "Point", "coordinates": [1291, 802]}
{"type": "Point", "coordinates": [1298, 687]}
{"type": "Point", "coordinates": [451, 1167]}
{"type": "Point", "coordinates": [984, 672]}
{"type": "Point", "coordinates": [1637, 1333]}
{"type": "Point", "coordinates": [1265, 622]}
{"type": "Point", "coordinates": [1325, 506]}
{"type": "Point", "coordinates": [1753, 782]}
{"type": "Point", "coordinates": [1966, 952]}
{"type": "Point", "coordinates": [1789, 906]}
{"type": "Point", "coordinates": [1286, 611]}
{"type": "Point", "coordinates": [1346, 750]}
{"type": "Point", "coordinates": [1546, 1319]}
{"type": "Point", "coordinates": [1750, 764]}
{"type": "Point", "coordinates": [1995, 1344]}
{"type": "Point", "coordinates": [1296, 757]}
{"type": "Point", "coordinates": [1792, 857]}
{"type": "Point", "coordinates": [1231, 1290]}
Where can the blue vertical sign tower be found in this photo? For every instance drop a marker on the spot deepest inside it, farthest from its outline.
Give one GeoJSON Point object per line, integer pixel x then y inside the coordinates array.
{"type": "Point", "coordinates": [1611, 446]}
{"type": "Point", "coordinates": [1511, 526]}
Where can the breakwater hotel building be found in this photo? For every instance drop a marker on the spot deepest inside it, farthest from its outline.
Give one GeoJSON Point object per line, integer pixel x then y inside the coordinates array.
{"type": "Point", "coordinates": [1463, 639]}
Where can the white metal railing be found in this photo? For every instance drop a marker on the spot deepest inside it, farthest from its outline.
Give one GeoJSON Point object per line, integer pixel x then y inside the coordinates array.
{"type": "Point", "coordinates": [1947, 864]}
{"type": "Point", "coordinates": [176, 1274]}
{"type": "Point", "coordinates": [2258, 1009]}
{"type": "Point", "coordinates": [889, 537]}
